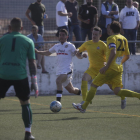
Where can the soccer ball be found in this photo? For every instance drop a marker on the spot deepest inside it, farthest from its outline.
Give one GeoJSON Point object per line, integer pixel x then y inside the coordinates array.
{"type": "Point", "coordinates": [55, 106]}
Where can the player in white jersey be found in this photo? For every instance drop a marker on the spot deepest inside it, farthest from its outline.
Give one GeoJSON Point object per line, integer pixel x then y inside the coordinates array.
{"type": "Point", "coordinates": [65, 51]}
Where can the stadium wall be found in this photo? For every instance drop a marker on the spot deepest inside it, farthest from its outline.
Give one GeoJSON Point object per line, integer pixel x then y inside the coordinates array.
{"type": "Point", "coordinates": [47, 84]}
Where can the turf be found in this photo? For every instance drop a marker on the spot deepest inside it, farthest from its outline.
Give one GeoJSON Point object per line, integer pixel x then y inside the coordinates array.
{"type": "Point", "coordinates": [103, 120]}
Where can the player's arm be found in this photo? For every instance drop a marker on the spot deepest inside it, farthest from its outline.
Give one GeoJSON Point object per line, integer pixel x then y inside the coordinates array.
{"type": "Point", "coordinates": [125, 58]}
{"type": "Point", "coordinates": [28, 16]}
{"type": "Point", "coordinates": [32, 68]}
{"type": "Point", "coordinates": [47, 53]}
{"type": "Point", "coordinates": [60, 13]}
{"type": "Point", "coordinates": [96, 19]}
{"type": "Point", "coordinates": [80, 55]}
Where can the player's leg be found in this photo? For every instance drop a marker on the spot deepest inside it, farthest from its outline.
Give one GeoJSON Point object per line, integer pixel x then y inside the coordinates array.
{"type": "Point", "coordinates": [23, 93]}
{"type": "Point", "coordinates": [110, 86]}
{"type": "Point", "coordinates": [4, 86]}
{"type": "Point", "coordinates": [60, 79]}
{"type": "Point", "coordinates": [99, 80]}
{"type": "Point", "coordinates": [84, 85]}
{"type": "Point", "coordinates": [72, 89]}
{"type": "Point", "coordinates": [126, 93]}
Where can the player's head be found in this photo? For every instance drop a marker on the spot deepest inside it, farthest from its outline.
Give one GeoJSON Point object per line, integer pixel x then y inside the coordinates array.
{"type": "Point", "coordinates": [115, 27]}
{"type": "Point", "coordinates": [34, 29]}
{"type": "Point", "coordinates": [129, 3]}
{"type": "Point", "coordinates": [16, 24]}
{"type": "Point", "coordinates": [89, 2]}
{"type": "Point", "coordinates": [136, 4]}
{"type": "Point", "coordinates": [63, 35]}
{"type": "Point", "coordinates": [96, 34]}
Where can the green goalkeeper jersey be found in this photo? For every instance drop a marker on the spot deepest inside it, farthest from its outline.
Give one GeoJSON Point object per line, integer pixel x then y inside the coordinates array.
{"type": "Point", "coordinates": [15, 48]}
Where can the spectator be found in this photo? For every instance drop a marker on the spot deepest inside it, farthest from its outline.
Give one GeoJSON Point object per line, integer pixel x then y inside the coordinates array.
{"type": "Point", "coordinates": [38, 38]}
{"type": "Point", "coordinates": [62, 16]}
{"type": "Point", "coordinates": [72, 6]}
{"type": "Point", "coordinates": [109, 12]}
{"type": "Point", "coordinates": [136, 4]}
{"type": "Point", "coordinates": [129, 19]}
{"type": "Point", "coordinates": [89, 18]}
{"type": "Point", "coordinates": [9, 30]}
{"type": "Point", "coordinates": [37, 11]}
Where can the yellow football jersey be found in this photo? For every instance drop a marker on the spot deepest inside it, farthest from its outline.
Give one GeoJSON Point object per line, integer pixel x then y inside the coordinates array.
{"type": "Point", "coordinates": [121, 44]}
{"type": "Point", "coordinates": [96, 53]}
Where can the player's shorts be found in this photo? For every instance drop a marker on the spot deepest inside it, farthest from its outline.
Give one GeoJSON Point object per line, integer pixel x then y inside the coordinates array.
{"type": "Point", "coordinates": [92, 72]}
{"type": "Point", "coordinates": [111, 77]}
{"type": "Point", "coordinates": [21, 88]}
{"type": "Point", "coordinates": [68, 80]}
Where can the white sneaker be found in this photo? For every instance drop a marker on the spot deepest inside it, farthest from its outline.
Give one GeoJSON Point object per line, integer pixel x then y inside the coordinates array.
{"type": "Point", "coordinates": [123, 103]}
{"type": "Point", "coordinates": [74, 104]}
{"type": "Point", "coordinates": [79, 107]}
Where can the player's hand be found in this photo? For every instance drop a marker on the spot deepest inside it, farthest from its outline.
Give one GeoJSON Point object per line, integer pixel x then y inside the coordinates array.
{"type": "Point", "coordinates": [103, 70]}
{"type": "Point", "coordinates": [34, 85]}
{"type": "Point", "coordinates": [77, 51]}
{"type": "Point", "coordinates": [84, 55]}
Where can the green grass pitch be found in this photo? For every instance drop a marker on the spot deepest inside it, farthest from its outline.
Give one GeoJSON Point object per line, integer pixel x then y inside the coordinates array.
{"type": "Point", "coordinates": [103, 120]}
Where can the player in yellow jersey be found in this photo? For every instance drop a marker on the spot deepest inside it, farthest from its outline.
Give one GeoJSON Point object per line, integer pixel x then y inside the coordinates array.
{"type": "Point", "coordinates": [117, 47]}
{"type": "Point", "coordinates": [96, 50]}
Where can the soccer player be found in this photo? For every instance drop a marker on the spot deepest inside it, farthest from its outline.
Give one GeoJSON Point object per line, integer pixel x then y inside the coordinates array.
{"type": "Point", "coordinates": [15, 48]}
{"type": "Point", "coordinates": [65, 51]}
{"type": "Point", "coordinates": [96, 50]}
{"type": "Point", "coordinates": [117, 46]}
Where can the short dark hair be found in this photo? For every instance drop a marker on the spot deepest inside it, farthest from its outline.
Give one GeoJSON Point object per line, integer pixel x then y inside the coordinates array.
{"type": "Point", "coordinates": [96, 28]}
{"type": "Point", "coordinates": [16, 23]}
{"type": "Point", "coordinates": [115, 26]}
{"type": "Point", "coordinates": [64, 31]}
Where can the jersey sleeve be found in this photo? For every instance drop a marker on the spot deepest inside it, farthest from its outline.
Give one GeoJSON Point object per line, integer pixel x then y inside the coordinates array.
{"type": "Point", "coordinates": [52, 50]}
{"type": "Point", "coordinates": [30, 7]}
{"type": "Point", "coordinates": [111, 43]}
{"type": "Point", "coordinates": [82, 48]}
{"type": "Point", "coordinates": [59, 7]}
{"type": "Point", "coordinates": [31, 51]}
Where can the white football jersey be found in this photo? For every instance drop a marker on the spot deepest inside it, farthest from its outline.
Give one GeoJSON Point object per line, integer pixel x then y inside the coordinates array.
{"type": "Point", "coordinates": [64, 53]}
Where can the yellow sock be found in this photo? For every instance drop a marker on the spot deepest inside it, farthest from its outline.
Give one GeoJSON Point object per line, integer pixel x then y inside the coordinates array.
{"type": "Point", "coordinates": [84, 89]}
{"type": "Point", "coordinates": [128, 93]}
{"type": "Point", "coordinates": [89, 97]}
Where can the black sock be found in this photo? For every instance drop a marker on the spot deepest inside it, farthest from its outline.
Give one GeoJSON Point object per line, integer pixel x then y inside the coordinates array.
{"type": "Point", "coordinates": [79, 92]}
{"type": "Point", "coordinates": [59, 95]}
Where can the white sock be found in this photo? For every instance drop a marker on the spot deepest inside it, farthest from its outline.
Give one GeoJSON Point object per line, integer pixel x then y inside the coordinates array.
{"type": "Point", "coordinates": [28, 129]}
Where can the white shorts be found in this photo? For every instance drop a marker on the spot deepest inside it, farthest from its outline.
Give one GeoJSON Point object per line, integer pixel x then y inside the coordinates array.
{"type": "Point", "coordinates": [68, 80]}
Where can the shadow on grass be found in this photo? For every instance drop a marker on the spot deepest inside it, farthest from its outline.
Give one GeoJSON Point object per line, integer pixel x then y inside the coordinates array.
{"type": "Point", "coordinates": [77, 118]}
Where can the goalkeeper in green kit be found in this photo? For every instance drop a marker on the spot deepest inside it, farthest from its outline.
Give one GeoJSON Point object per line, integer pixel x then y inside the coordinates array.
{"type": "Point", "coordinates": [15, 48]}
